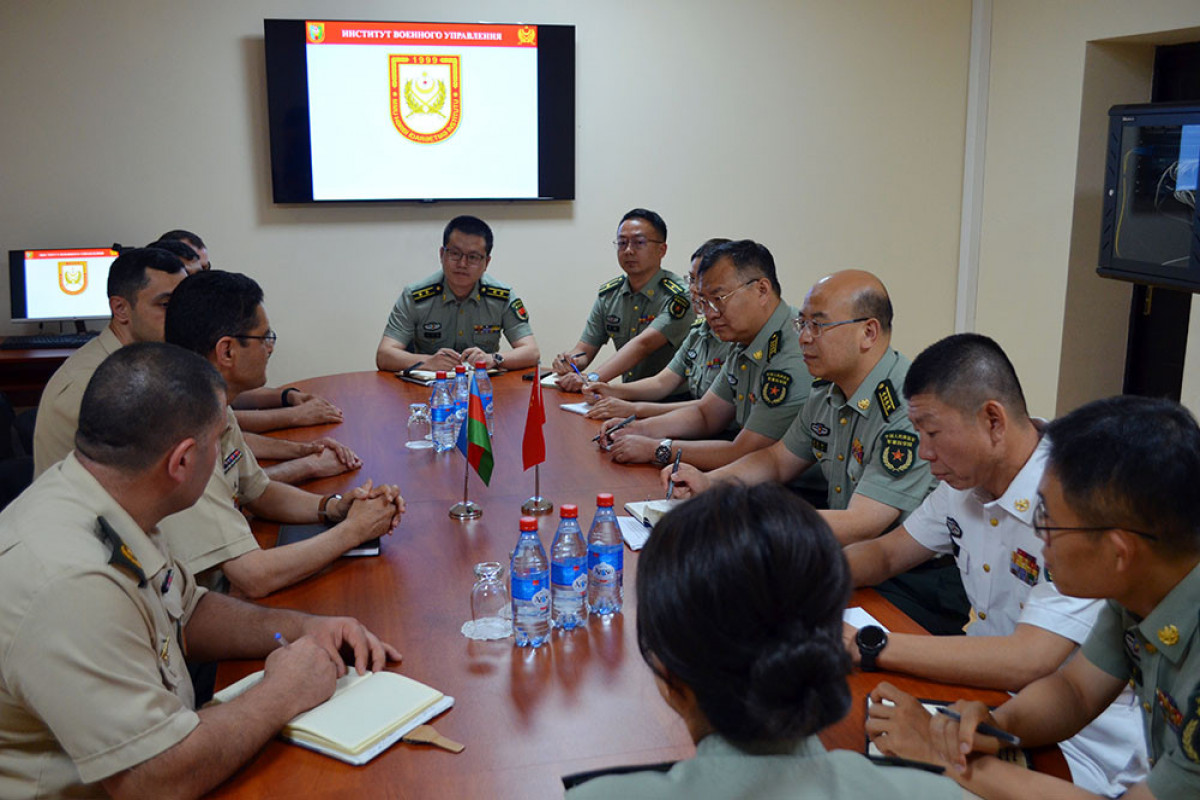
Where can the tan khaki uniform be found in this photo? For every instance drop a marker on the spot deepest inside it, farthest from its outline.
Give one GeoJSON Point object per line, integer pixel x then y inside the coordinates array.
{"type": "Point", "coordinates": [92, 677]}
{"type": "Point", "coordinates": [213, 530]}
{"type": "Point", "coordinates": [58, 411]}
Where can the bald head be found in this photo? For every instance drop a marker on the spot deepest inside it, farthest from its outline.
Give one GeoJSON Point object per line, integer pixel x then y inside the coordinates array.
{"type": "Point", "coordinates": [855, 293]}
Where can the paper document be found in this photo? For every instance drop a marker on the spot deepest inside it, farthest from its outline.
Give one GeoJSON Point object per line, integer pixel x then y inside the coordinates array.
{"type": "Point", "coordinates": [576, 408]}
{"type": "Point", "coordinates": [634, 532]}
{"type": "Point", "coordinates": [859, 618]}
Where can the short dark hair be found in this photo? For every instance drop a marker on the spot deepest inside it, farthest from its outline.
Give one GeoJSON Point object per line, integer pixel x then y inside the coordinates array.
{"type": "Point", "coordinates": [127, 273]}
{"type": "Point", "coordinates": [176, 247]}
{"type": "Point", "coordinates": [750, 260]}
{"type": "Point", "coordinates": [209, 305]}
{"type": "Point", "coordinates": [646, 214]}
{"type": "Point", "coordinates": [1132, 462]}
{"type": "Point", "coordinates": [185, 236]}
{"type": "Point", "coordinates": [965, 371]}
{"type": "Point", "coordinates": [143, 400]}
{"type": "Point", "coordinates": [471, 226]}
{"type": "Point", "coordinates": [740, 596]}
{"type": "Point", "coordinates": [873, 302]}
{"type": "Point", "coordinates": [707, 248]}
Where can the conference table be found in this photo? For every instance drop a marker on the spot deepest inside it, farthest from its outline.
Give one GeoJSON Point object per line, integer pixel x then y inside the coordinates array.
{"type": "Point", "coordinates": [585, 701]}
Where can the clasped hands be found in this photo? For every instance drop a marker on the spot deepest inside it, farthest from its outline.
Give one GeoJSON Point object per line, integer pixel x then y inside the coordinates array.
{"type": "Point", "coordinates": [376, 508]}
{"type": "Point", "coordinates": [447, 358]}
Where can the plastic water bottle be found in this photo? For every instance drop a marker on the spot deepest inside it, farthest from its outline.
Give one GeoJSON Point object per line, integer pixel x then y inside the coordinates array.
{"type": "Point", "coordinates": [530, 588]}
{"type": "Point", "coordinates": [441, 409]}
{"type": "Point", "coordinates": [606, 560]}
{"type": "Point", "coordinates": [568, 571]}
{"type": "Point", "coordinates": [485, 393]}
{"type": "Point", "coordinates": [462, 396]}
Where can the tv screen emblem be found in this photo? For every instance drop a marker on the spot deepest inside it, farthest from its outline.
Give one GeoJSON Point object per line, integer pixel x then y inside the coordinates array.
{"type": "Point", "coordinates": [72, 277]}
{"type": "Point", "coordinates": [315, 32]}
{"type": "Point", "coordinates": [426, 96]}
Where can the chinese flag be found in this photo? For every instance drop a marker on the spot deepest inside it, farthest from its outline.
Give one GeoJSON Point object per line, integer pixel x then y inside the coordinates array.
{"type": "Point", "coordinates": [533, 446]}
{"type": "Point", "coordinates": [473, 439]}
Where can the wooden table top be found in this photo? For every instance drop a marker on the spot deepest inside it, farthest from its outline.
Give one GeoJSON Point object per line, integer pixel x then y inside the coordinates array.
{"type": "Point", "coordinates": [527, 717]}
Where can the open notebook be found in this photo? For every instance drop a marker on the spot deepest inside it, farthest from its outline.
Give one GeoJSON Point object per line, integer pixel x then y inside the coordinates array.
{"type": "Point", "coordinates": [366, 715]}
{"type": "Point", "coordinates": [426, 377]}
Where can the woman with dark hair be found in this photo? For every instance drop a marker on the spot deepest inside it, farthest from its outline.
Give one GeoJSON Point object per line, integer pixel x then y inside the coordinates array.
{"type": "Point", "coordinates": [740, 594]}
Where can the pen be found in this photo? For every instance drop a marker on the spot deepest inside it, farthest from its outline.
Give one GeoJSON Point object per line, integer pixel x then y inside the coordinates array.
{"type": "Point", "coordinates": [984, 728]}
{"type": "Point", "coordinates": [616, 427]}
{"type": "Point", "coordinates": [280, 640]}
{"type": "Point", "coordinates": [896, 761]}
{"type": "Point", "coordinates": [577, 372]}
{"type": "Point", "coordinates": [674, 469]}
{"type": "Point", "coordinates": [410, 369]}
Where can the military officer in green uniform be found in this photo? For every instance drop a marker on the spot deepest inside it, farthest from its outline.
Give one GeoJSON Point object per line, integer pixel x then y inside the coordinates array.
{"type": "Point", "coordinates": [854, 423]}
{"type": "Point", "coordinates": [763, 385]}
{"type": "Point", "coordinates": [646, 312]}
{"type": "Point", "coordinates": [456, 316]}
{"type": "Point", "coordinates": [1118, 513]}
{"type": "Point", "coordinates": [694, 367]}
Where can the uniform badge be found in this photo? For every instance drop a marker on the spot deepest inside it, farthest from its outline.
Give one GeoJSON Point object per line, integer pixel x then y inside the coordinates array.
{"type": "Point", "coordinates": [122, 557]}
{"type": "Point", "coordinates": [885, 393]}
{"type": "Point", "coordinates": [773, 344]}
{"type": "Point", "coordinates": [498, 292]}
{"type": "Point", "coordinates": [775, 387]}
{"type": "Point", "coordinates": [691, 354]}
{"type": "Point", "coordinates": [819, 447]}
{"type": "Point", "coordinates": [612, 323]}
{"type": "Point", "coordinates": [678, 307]}
{"type": "Point", "coordinates": [819, 429]}
{"type": "Point", "coordinates": [519, 309]}
{"type": "Point", "coordinates": [426, 292]}
{"type": "Point", "coordinates": [1170, 711]}
{"type": "Point", "coordinates": [610, 286]}
{"type": "Point", "coordinates": [1168, 635]}
{"type": "Point", "coordinates": [673, 287]}
{"type": "Point", "coordinates": [955, 531]}
{"type": "Point", "coordinates": [899, 452]}
{"type": "Point", "coordinates": [1189, 731]}
{"type": "Point", "coordinates": [758, 355]}
{"type": "Point", "coordinates": [857, 449]}
{"type": "Point", "coordinates": [714, 362]}
{"type": "Point", "coordinates": [729, 376]}
{"type": "Point", "coordinates": [485, 329]}
{"type": "Point", "coordinates": [231, 460]}
{"type": "Point", "coordinates": [1024, 566]}
{"type": "Point", "coordinates": [864, 404]}
{"type": "Point", "coordinates": [1021, 505]}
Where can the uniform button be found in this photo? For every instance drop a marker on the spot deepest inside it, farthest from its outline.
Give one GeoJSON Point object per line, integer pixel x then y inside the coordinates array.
{"type": "Point", "coordinates": [983, 615]}
{"type": "Point", "coordinates": [635, 308]}
{"type": "Point", "coordinates": [995, 522]}
{"type": "Point", "coordinates": [1146, 707]}
{"type": "Point", "coordinates": [1022, 606]}
{"type": "Point", "coordinates": [987, 567]}
{"type": "Point", "coordinates": [743, 367]}
{"type": "Point", "coordinates": [841, 457]}
{"type": "Point", "coordinates": [843, 420]}
{"type": "Point", "coordinates": [741, 397]}
{"type": "Point", "coordinates": [837, 489]}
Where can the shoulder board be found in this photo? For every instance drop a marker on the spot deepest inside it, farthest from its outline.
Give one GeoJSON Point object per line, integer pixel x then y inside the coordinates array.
{"type": "Point", "coordinates": [497, 292]}
{"type": "Point", "coordinates": [122, 557]}
{"type": "Point", "coordinates": [671, 286]}
{"type": "Point", "coordinates": [885, 393]}
{"type": "Point", "coordinates": [819, 382]}
{"type": "Point", "coordinates": [426, 292]}
{"type": "Point", "coordinates": [773, 344]}
{"type": "Point", "coordinates": [699, 322]}
{"type": "Point", "coordinates": [613, 284]}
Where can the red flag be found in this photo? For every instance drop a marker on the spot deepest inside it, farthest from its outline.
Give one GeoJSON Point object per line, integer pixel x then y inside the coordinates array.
{"type": "Point", "coordinates": [533, 446]}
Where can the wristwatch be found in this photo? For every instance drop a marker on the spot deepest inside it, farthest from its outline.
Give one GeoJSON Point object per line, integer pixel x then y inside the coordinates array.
{"type": "Point", "coordinates": [323, 510]}
{"type": "Point", "coordinates": [871, 640]}
{"type": "Point", "coordinates": [593, 377]}
{"type": "Point", "coordinates": [662, 453]}
{"type": "Point", "coordinates": [497, 359]}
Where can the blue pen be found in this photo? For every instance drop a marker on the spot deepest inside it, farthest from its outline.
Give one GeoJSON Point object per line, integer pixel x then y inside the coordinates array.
{"type": "Point", "coordinates": [280, 640]}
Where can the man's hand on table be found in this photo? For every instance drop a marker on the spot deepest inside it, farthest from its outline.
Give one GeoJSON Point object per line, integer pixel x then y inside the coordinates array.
{"type": "Point", "coordinates": [377, 509]}
{"type": "Point", "coordinates": [689, 481]}
{"type": "Point", "coordinates": [630, 448]}
{"type": "Point", "coordinates": [312, 410]}
{"type": "Point", "coordinates": [901, 729]}
{"type": "Point", "coordinates": [444, 360]}
{"type": "Point", "coordinates": [341, 638]}
{"type": "Point", "coordinates": [953, 740]}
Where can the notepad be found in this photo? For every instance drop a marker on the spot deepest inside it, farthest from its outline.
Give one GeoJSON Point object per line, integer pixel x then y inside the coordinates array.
{"type": "Point", "coordinates": [634, 532]}
{"type": "Point", "coordinates": [426, 377]}
{"type": "Point", "coordinates": [649, 512]}
{"type": "Point", "coordinates": [576, 408]}
{"type": "Point", "coordinates": [290, 534]}
{"type": "Point", "coordinates": [366, 715]}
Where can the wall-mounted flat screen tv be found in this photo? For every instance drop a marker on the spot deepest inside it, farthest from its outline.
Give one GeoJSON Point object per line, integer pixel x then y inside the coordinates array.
{"type": "Point", "coordinates": [420, 111]}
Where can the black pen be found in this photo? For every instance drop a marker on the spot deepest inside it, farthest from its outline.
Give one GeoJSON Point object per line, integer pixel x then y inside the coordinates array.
{"type": "Point", "coordinates": [674, 469]}
{"type": "Point", "coordinates": [896, 761]}
{"type": "Point", "coordinates": [984, 728]}
{"type": "Point", "coordinates": [408, 371]}
{"type": "Point", "coordinates": [615, 428]}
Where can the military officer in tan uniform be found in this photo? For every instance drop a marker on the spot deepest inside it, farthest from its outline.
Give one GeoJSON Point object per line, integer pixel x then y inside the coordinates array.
{"type": "Point", "coordinates": [456, 316]}
{"type": "Point", "coordinates": [645, 312]}
{"type": "Point", "coordinates": [94, 696]}
{"type": "Point", "coordinates": [1117, 512]}
{"type": "Point", "coordinates": [763, 385]}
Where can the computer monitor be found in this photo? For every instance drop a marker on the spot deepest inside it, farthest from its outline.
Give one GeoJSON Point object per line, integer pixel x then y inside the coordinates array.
{"type": "Point", "coordinates": [60, 284]}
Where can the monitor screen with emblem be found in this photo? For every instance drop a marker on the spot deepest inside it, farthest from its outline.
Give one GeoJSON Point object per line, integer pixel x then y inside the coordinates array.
{"type": "Point", "coordinates": [59, 284]}
{"type": "Point", "coordinates": [420, 111]}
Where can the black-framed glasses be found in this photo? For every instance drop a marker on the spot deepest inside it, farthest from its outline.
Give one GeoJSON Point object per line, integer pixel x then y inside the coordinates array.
{"type": "Point", "coordinates": [456, 255]}
{"type": "Point", "coordinates": [1043, 530]}
{"type": "Point", "coordinates": [268, 339]}
{"type": "Point", "coordinates": [717, 304]}
{"type": "Point", "coordinates": [637, 242]}
{"type": "Point", "coordinates": [815, 328]}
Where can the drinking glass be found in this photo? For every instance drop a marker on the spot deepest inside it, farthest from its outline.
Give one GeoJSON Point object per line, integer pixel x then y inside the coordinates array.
{"type": "Point", "coordinates": [420, 427]}
{"type": "Point", "coordinates": [491, 609]}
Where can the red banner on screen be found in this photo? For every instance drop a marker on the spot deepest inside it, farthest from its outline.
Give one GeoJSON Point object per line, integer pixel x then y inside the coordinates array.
{"type": "Point", "coordinates": [416, 33]}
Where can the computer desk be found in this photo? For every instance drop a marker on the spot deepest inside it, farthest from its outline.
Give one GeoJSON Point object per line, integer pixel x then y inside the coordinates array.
{"type": "Point", "coordinates": [25, 373]}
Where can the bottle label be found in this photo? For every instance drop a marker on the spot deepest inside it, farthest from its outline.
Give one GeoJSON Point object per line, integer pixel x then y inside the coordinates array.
{"type": "Point", "coordinates": [604, 566]}
{"type": "Point", "coordinates": [442, 413]}
{"type": "Point", "coordinates": [529, 588]}
{"type": "Point", "coordinates": [569, 572]}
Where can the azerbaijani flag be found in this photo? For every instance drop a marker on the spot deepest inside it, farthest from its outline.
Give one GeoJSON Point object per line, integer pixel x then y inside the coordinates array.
{"type": "Point", "coordinates": [473, 439]}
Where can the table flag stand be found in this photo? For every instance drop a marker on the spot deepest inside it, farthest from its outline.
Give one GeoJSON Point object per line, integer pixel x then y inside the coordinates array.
{"type": "Point", "coordinates": [537, 505]}
{"type": "Point", "coordinates": [466, 509]}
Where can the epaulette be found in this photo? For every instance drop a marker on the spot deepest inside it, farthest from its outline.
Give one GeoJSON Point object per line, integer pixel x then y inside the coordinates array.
{"type": "Point", "coordinates": [699, 321]}
{"type": "Point", "coordinates": [610, 286]}
{"type": "Point", "coordinates": [885, 393]}
{"type": "Point", "coordinates": [426, 292]}
{"type": "Point", "coordinates": [122, 557]}
{"type": "Point", "coordinates": [498, 292]}
{"type": "Point", "coordinates": [671, 286]}
{"type": "Point", "coordinates": [773, 344]}
{"type": "Point", "coordinates": [819, 382]}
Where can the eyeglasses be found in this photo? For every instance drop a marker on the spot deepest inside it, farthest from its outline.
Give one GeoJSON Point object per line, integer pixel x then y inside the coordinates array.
{"type": "Point", "coordinates": [474, 259]}
{"type": "Point", "coordinates": [815, 329]}
{"type": "Point", "coordinates": [269, 339]}
{"type": "Point", "coordinates": [717, 304]}
{"type": "Point", "coordinates": [637, 243]}
{"type": "Point", "coordinates": [1043, 530]}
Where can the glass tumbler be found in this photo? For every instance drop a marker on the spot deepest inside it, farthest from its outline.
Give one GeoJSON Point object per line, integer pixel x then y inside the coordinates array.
{"type": "Point", "coordinates": [420, 427]}
{"type": "Point", "coordinates": [491, 609]}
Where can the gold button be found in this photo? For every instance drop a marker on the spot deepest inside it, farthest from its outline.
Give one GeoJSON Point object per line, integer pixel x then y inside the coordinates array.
{"type": "Point", "coordinates": [987, 567]}
{"type": "Point", "coordinates": [1146, 707]}
{"type": "Point", "coordinates": [743, 366]}
{"type": "Point", "coordinates": [460, 333]}
{"type": "Point", "coordinates": [741, 397]}
{"type": "Point", "coordinates": [837, 489]}
{"type": "Point", "coordinates": [635, 308]}
{"type": "Point", "coordinates": [843, 420]}
{"type": "Point", "coordinates": [983, 615]}
{"type": "Point", "coordinates": [841, 457]}
{"type": "Point", "coordinates": [995, 522]}
{"type": "Point", "coordinates": [1151, 649]}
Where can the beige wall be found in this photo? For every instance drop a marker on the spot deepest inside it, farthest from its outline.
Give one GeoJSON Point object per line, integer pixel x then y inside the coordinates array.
{"type": "Point", "coordinates": [1032, 275]}
{"type": "Point", "coordinates": [830, 130]}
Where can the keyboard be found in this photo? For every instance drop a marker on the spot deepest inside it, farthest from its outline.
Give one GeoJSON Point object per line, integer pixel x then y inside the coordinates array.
{"type": "Point", "coordinates": [48, 341]}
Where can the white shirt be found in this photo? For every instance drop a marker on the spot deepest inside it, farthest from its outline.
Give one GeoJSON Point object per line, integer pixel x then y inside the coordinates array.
{"type": "Point", "coordinates": [1000, 559]}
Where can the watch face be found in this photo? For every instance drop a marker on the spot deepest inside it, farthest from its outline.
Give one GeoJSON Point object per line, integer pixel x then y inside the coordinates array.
{"type": "Point", "coordinates": [871, 636]}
